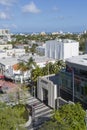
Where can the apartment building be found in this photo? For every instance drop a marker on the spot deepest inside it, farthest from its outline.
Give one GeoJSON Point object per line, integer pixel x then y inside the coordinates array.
{"type": "Point", "coordinates": [73, 79]}
{"type": "Point", "coordinates": [62, 49]}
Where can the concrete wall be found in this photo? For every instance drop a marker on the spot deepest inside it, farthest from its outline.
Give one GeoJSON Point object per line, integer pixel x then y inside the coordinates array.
{"type": "Point", "coordinates": [50, 87]}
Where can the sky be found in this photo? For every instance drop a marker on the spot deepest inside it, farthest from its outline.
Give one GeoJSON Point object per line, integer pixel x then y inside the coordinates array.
{"type": "Point", "coordinates": [43, 15]}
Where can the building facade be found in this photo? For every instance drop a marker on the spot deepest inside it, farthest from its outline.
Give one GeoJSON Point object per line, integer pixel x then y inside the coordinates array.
{"type": "Point", "coordinates": [5, 35]}
{"type": "Point", "coordinates": [41, 50]}
{"type": "Point", "coordinates": [62, 49]}
{"type": "Point", "coordinates": [73, 79]}
{"type": "Point", "coordinates": [70, 85]}
{"type": "Point", "coordinates": [47, 91]}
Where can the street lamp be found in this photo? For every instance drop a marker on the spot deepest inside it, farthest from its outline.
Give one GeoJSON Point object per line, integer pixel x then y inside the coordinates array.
{"type": "Point", "coordinates": [73, 83]}
{"type": "Point", "coordinates": [47, 62]}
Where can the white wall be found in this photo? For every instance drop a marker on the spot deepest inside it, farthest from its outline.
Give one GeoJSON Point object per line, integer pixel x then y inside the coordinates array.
{"type": "Point", "coordinates": [71, 49]}
{"type": "Point", "coordinates": [9, 46]}
{"type": "Point", "coordinates": [2, 55]}
{"type": "Point", "coordinates": [62, 49]}
{"type": "Point", "coordinates": [50, 87]}
{"type": "Point", "coordinates": [10, 52]}
{"type": "Point", "coordinates": [43, 64]}
{"type": "Point", "coordinates": [17, 52]}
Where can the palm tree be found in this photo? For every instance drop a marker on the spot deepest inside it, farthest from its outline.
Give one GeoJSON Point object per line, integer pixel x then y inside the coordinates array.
{"type": "Point", "coordinates": [22, 67]}
{"type": "Point", "coordinates": [27, 66]}
{"type": "Point", "coordinates": [26, 49]}
{"type": "Point", "coordinates": [30, 65]}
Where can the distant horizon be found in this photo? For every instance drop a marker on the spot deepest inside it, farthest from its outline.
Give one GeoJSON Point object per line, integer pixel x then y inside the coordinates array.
{"type": "Point", "coordinates": [26, 32]}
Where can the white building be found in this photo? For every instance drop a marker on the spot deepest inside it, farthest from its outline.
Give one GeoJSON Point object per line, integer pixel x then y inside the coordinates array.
{"type": "Point", "coordinates": [61, 49]}
{"type": "Point", "coordinates": [9, 65]}
{"type": "Point", "coordinates": [11, 52]}
{"type": "Point", "coordinates": [15, 52]}
{"type": "Point", "coordinates": [41, 61]}
{"type": "Point", "coordinates": [41, 49]}
{"type": "Point", "coordinates": [5, 35]}
{"type": "Point", "coordinates": [5, 46]}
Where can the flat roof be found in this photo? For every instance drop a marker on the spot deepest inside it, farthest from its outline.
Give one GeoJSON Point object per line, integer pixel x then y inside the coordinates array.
{"type": "Point", "coordinates": [64, 41]}
{"type": "Point", "coordinates": [37, 58]}
{"type": "Point", "coordinates": [14, 60]}
{"type": "Point", "coordinates": [9, 61]}
{"type": "Point", "coordinates": [78, 62]}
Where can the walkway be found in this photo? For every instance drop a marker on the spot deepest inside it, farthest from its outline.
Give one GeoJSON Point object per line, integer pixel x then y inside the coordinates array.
{"type": "Point", "coordinates": [41, 113]}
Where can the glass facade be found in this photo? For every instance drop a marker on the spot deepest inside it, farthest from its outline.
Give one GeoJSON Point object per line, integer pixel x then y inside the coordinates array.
{"type": "Point", "coordinates": [80, 82]}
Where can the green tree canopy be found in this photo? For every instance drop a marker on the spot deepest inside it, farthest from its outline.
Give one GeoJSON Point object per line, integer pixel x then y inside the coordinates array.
{"type": "Point", "coordinates": [68, 117]}
{"type": "Point", "coordinates": [36, 73]}
{"type": "Point", "coordinates": [11, 117]}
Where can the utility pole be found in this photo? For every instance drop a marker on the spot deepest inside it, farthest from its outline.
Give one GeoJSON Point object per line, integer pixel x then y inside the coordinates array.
{"type": "Point", "coordinates": [73, 83]}
{"type": "Point", "coordinates": [34, 90]}
{"type": "Point", "coordinates": [47, 63]}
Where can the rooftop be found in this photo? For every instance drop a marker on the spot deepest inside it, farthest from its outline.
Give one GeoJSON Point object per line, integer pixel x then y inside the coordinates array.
{"type": "Point", "coordinates": [37, 58]}
{"type": "Point", "coordinates": [14, 60]}
{"type": "Point", "coordinates": [78, 61]}
{"type": "Point", "coordinates": [9, 61]}
{"type": "Point", "coordinates": [62, 41]}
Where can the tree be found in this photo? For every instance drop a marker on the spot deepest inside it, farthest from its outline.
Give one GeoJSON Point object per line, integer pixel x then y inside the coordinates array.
{"type": "Point", "coordinates": [58, 65]}
{"type": "Point", "coordinates": [50, 68]}
{"type": "Point", "coordinates": [11, 117]}
{"type": "Point", "coordinates": [26, 49]}
{"type": "Point", "coordinates": [68, 117]}
{"type": "Point", "coordinates": [33, 48]}
{"type": "Point", "coordinates": [36, 73]}
{"type": "Point", "coordinates": [31, 63]}
{"type": "Point", "coordinates": [22, 66]}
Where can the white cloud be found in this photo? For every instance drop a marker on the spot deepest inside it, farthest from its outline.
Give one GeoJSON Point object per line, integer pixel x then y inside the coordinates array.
{"type": "Point", "coordinates": [4, 16]}
{"type": "Point", "coordinates": [7, 2]}
{"type": "Point", "coordinates": [30, 8]}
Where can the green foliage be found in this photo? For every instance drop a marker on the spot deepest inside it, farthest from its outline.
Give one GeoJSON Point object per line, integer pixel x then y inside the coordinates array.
{"type": "Point", "coordinates": [33, 48]}
{"type": "Point", "coordinates": [68, 117]}
{"type": "Point", "coordinates": [71, 115]}
{"type": "Point", "coordinates": [50, 68]}
{"type": "Point", "coordinates": [30, 63]}
{"type": "Point", "coordinates": [26, 49]}
{"type": "Point", "coordinates": [11, 117]}
{"type": "Point", "coordinates": [22, 111]}
{"type": "Point", "coordinates": [22, 66]}
{"type": "Point", "coordinates": [26, 66]}
{"type": "Point", "coordinates": [21, 39]}
{"type": "Point", "coordinates": [36, 73]}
